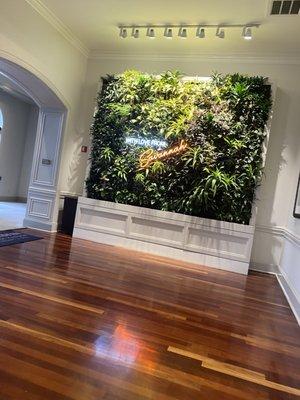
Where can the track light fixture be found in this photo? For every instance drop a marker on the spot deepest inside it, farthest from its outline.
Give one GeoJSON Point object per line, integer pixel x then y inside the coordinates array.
{"type": "Point", "coordinates": [135, 33]}
{"type": "Point", "coordinates": [247, 33]}
{"type": "Point", "coordinates": [168, 34]}
{"type": "Point", "coordinates": [150, 33]}
{"type": "Point", "coordinates": [220, 33]}
{"type": "Point", "coordinates": [182, 33]}
{"type": "Point", "coordinates": [200, 32]}
{"type": "Point", "coordinates": [123, 33]}
{"type": "Point", "coordinates": [183, 30]}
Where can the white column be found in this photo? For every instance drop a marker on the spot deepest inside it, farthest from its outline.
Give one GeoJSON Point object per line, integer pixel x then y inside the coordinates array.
{"type": "Point", "coordinates": [43, 196]}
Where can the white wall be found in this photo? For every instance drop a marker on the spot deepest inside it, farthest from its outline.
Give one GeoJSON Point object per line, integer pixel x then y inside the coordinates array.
{"type": "Point", "coordinates": [289, 264]}
{"type": "Point", "coordinates": [282, 164]}
{"type": "Point", "coordinates": [29, 40]}
{"type": "Point", "coordinates": [13, 138]}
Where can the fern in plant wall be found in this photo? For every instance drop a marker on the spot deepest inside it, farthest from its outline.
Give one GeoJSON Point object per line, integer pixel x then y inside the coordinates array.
{"type": "Point", "coordinates": [191, 147]}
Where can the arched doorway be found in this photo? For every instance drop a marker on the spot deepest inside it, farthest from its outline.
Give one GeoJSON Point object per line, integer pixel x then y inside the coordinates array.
{"type": "Point", "coordinates": [43, 196]}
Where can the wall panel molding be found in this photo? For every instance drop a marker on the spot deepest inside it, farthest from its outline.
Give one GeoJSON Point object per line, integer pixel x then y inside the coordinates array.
{"type": "Point", "coordinates": [38, 207]}
{"type": "Point", "coordinates": [279, 231]}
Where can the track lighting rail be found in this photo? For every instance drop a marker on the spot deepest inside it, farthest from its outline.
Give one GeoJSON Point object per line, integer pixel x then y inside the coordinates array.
{"type": "Point", "coordinates": [183, 30]}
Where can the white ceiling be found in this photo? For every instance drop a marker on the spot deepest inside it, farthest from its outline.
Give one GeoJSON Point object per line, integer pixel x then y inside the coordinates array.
{"type": "Point", "coordinates": [94, 23]}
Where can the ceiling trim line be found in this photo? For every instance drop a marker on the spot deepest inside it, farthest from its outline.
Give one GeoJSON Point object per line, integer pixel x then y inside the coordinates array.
{"type": "Point", "coordinates": [57, 24]}
{"type": "Point", "coordinates": [237, 57]}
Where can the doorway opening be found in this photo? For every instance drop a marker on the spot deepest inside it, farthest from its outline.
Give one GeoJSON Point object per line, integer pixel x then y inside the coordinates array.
{"type": "Point", "coordinates": [31, 126]}
{"type": "Point", "coordinates": [18, 126]}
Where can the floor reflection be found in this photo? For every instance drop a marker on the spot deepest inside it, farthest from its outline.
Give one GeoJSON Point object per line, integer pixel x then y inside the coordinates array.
{"type": "Point", "coordinates": [121, 346]}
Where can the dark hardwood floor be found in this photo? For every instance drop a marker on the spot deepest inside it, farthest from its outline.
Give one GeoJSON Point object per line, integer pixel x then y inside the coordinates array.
{"type": "Point", "coordinates": [85, 321]}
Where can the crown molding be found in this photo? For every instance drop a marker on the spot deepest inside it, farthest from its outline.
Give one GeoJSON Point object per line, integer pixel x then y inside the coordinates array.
{"type": "Point", "coordinates": [237, 57]}
{"type": "Point", "coordinates": [53, 20]}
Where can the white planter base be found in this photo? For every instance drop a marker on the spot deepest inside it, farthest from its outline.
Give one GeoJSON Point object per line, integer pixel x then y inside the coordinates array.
{"type": "Point", "coordinates": [201, 241]}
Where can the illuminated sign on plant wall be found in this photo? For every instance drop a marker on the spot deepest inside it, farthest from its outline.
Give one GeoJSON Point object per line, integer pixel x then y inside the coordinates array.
{"type": "Point", "coordinates": [149, 156]}
{"type": "Point", "coordinates": [143, 142]}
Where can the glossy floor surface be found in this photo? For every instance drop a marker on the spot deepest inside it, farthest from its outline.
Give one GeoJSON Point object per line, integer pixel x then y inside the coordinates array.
{"type": "Point", "coordinates": [11, 215]}
{"type": "Point", "coordinates": [85, 321]}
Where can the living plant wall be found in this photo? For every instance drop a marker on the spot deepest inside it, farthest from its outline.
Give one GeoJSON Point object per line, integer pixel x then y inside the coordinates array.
{"type": "Point", "coordinates": [192, 147]}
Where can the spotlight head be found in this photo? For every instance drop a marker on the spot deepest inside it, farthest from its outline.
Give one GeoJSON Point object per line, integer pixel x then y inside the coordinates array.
{"type": "Point", "coordinates": [123, 33]}
{"type": "Point", "coordinates": [247, 33]}
{"type": "Point", "coordinates": [220, 33]}
{"type": "Point", "coordinates": [135, 33]}
{"type": "Point", "coordinates": [182, 33]}
{"type": "Point", "coordinates": [150, 33]}
{"type": "Point", "coordinates": [200, 32]}
{"type": "Point", "coordinates": [168, 34]}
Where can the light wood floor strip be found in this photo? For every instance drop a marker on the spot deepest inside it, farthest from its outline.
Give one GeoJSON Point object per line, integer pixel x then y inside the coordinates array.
{"type": "Point", "coordinates": [237, 372]}
{"type": "Point", "coordinates": [30, 273]}
{"type": "Point", "coordinates": [48, 338]}
{"type": "Point", "coordinates": [51, 298]}
{"type": "Point", "coordinates": [151, 309]}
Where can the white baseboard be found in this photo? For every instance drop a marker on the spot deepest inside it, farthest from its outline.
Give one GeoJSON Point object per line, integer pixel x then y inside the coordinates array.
{"type": "Point", "coordinates": [286, 287]}
{"type": "Point", "coordinates": [266, 268]}
{"type": "Point", "coordinates": [8, 198]}
{"type": "Point", "coordinates": [290, 295]}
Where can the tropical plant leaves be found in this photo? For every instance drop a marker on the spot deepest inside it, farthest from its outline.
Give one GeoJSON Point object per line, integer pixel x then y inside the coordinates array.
{"type": "Point", "coordinates": [223, 122]}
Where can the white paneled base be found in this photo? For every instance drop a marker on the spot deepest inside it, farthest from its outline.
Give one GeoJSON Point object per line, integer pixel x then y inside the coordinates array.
{"type": "Point", "coordinates": [40, 209]}
{"type": "Point", "coordinates": [164, 251]}
{"type": "Point", "coordinates": [202, 241]}
{"type": "Point", "coordinates": [43, 226]}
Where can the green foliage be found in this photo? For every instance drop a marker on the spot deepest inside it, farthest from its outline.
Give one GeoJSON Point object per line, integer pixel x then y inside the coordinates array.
{"type": "Point", "coordinates": [223, 122]}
